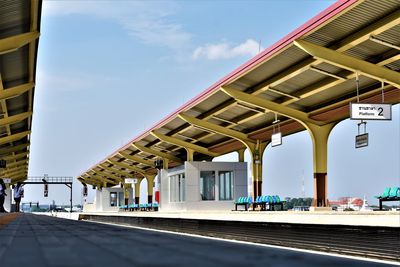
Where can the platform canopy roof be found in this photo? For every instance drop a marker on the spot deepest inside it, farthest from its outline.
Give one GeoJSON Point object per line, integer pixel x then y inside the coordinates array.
{"type": "Point", "coordinates": [19, 37]}
{"type": "Point", "coordinates": [308, 76]}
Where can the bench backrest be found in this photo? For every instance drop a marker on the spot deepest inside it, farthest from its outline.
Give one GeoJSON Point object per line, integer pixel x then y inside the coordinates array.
{"type": "Point", "coordinates": [394, 191]}
{"type": "Point", "coordinates": [386, 192]}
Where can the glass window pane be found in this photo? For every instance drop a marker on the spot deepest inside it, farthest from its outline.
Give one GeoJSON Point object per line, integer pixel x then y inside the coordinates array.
{"type": "Point", "coordinates": [121, 198]}
{"type": "Point", "coordinates": [207, 185]}
{"type": "Point", "coordinates": [113, 199]}
{"type": "Point", "coordinates": [177, 188]}
{"type": "Point", "coordinates": [225, 185]}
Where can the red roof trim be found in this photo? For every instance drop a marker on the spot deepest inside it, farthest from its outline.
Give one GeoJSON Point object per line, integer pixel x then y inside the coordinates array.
{"type": "Point", "coordinates": [316, 21]}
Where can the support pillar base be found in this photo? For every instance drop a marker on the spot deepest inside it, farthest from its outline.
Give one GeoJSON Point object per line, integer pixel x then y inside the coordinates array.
{"type": "Point", "coordinates": [320, 192]}
{"type": "Point", "coordinates": [257, 188]}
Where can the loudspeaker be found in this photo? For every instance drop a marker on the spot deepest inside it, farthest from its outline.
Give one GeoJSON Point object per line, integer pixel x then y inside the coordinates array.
{"type": "Point", "coordinates": [3, 163]}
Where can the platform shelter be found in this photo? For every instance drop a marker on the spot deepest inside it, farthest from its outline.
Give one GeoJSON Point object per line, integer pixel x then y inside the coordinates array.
{"type": "Point", "coordinates": [19, 39]}
{"type": "Point", "coordinates": [349, 53]}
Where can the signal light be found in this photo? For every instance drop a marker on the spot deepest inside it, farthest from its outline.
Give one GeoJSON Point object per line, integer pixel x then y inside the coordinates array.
{"type": "Point", "coordinates": [46, 190]}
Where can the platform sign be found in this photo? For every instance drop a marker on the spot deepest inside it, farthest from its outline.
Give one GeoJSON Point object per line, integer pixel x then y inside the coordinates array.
{"type": "Point", "coordinates": [361, 140]}
{"type": "Point", "coordinates": [363, 111]}
{"type": "Point", "coordinates": [7, 180]}
{"type": "Point", "coordinates": [131, 180]}
{"type": "Point", "coordinates": [276, 139]}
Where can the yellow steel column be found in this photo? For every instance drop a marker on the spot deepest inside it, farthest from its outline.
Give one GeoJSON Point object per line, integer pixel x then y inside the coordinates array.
{"type": "Point", "coordinates": [318, 130]}
{"type": "Point", "coordinates": [256, 167]}
{"type": "Point", "coordinates": [137, 191]}
{"type": "Point", "coordinates": [241, 154]}
{"type": "Point", "coordinates": [150, 185]}
{"type": "Point", "coordinates": [126, 193]}
{"type": "Point", "coordinates": [165, 164]}
{"type": "Point", "coordinates": [319, 136]}
{"type": "Point", "coordinates": [190, 153]}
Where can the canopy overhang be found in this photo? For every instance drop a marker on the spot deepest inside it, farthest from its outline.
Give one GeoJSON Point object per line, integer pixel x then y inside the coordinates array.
{"type": "Point", "coordinates": [307, 77]}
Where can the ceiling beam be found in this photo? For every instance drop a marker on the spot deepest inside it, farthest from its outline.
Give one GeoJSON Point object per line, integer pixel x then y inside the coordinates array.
{"type": "Point", "coordinates": [100, 178]}
{"type": "Point", "coordinates": [12, 149]}
{"type": "Point", "coordinates": [327, 73]}
{"type": "Point", "coordinates": [184, 144]}
{"type": "Point", "coordinates": [137, 159]}
{"type": "Point", "coordinates": [16, 90]}
{"type": "Point", "coordinates": [91, 181]}
{"type": "Point", "coordinates": [16, 156]}
{"type": "Point", "coordinates": [127, 166]}
{"type": "Point", "coordinates": [117, 171]}
{"type": "Point", "coordinates": [350, 63]}
{"type": "Point", "coordinates": [157, 153]}
{"type": "Point", "coordinates": [20, 178]}
{"type": "Point", "coordinates": [269, 105]}
{"type": "Point", "coordinates": [217, 129]}
{"type": "Point", "coordinates": [15, 172]}
{"type": "Point", "coordinates": [106, 175]}
{"type": "Point", "coordinates": [382, 42]}
{"type": "Point", "coordinates": [17, 163]}
{"type": "Point", "coordinates": [15, 118]}
{"type": "Point", "coordinates": [13, 137]}
{"type": "Point", "coordinates": [13, 43]}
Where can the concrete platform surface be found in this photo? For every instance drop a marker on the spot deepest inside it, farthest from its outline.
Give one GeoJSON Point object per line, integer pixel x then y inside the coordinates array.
{"type": "Point", "coordinates": [34, 240]}
{"type": "Point", "coordinates": [373, 218]}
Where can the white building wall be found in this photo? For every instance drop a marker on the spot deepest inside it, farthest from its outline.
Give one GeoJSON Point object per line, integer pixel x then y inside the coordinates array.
{"type": "Point", "coordinates": [102, 200]}
{"type": "Point", "coordinates": [192, 186]}
{"type": "Point", "coordinates": [8, 200]}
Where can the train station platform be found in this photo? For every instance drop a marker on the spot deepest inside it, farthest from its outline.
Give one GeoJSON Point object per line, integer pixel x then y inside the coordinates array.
{"type": "Point", "coordinates": [35, 240]}
{"type": "Point", "coordinates": [373, 218]}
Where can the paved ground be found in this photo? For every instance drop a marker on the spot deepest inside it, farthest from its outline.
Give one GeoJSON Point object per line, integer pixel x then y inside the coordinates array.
{"type": "Point", "coordinates": [34, 240]}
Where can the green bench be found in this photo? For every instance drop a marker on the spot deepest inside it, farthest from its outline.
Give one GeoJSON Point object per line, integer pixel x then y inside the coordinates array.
{"type": "Point", "coordinates": [390, 194]}
{"type": "Point", "coordinates": [268, 203]}
{"type": "Point", "coordinates": [243, 201]}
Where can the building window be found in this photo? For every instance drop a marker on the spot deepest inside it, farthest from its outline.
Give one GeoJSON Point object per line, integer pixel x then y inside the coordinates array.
{"type": "Point", "coordinates": [121, 198]}
{"type": "Point", "coordinates": [113, 199]}
{"type": "Point", "coordinates": [207, 185]}
{"type": "Point", "coordinates": [177, 188]}
{"type": "Point", "coordinates": [225, 185]}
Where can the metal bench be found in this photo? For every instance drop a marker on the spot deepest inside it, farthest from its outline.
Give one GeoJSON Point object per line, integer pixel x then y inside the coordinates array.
{"type": "Point", "coordinates": [390, 194]}
{"type": "Point", "coordinates": [243, 201]}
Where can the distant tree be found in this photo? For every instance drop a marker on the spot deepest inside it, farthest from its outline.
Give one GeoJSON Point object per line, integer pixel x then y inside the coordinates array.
{"type": "Point", "coordinates": [295, 202]}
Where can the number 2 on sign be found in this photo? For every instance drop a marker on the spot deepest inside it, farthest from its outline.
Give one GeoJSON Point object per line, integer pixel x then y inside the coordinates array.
{"type": "Point", "coordinates": [380, 111]}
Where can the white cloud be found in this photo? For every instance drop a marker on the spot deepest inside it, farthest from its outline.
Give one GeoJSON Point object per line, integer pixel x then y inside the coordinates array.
{"type": "Point", "coordinates": [69, 82]}
{"type": "Point", "coordinates": [225, 51]}
{"type": "Point", "coordinates": [150, 22]}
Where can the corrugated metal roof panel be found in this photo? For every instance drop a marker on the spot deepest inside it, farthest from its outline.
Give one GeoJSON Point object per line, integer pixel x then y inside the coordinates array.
{"type": "Point", "coordinates": [275, 65]}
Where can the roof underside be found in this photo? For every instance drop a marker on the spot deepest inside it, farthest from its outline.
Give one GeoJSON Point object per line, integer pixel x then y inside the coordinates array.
{"type": "Point", "coordinates": [19, 32]}
{"type": "Point", "coordinates": [296, 76]}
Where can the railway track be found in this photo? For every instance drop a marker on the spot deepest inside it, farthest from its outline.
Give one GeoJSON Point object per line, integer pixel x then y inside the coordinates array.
{"type": "Point", "coordinates": [364, 241]}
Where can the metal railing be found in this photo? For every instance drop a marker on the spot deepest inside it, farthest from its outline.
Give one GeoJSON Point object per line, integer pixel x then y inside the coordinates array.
{"type": "Point", "coordinates": [49, 179]}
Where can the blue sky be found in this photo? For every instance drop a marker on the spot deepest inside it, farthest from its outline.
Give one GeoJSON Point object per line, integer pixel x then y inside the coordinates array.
{"type": "Point", "coordinates": [107, 71]}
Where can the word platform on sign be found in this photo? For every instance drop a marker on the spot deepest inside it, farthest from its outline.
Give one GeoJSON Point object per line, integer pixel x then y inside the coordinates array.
{"type": "Point", "coordinates": [363, 111]}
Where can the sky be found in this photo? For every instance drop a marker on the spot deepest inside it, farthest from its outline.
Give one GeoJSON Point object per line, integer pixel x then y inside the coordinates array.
{"type": "Point", "coordinates": [107, 71]}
